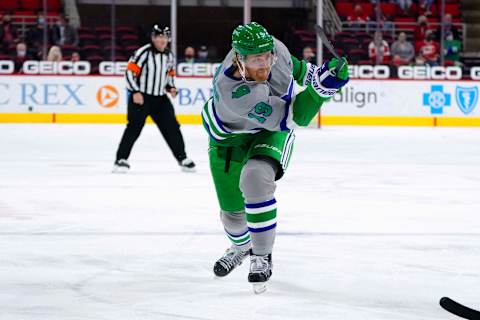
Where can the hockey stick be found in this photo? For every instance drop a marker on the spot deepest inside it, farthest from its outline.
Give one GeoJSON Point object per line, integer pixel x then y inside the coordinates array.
{"type": "Point", "coordinates": [459, 309]}
{"type": "Point", "coordinates": [321, 33]}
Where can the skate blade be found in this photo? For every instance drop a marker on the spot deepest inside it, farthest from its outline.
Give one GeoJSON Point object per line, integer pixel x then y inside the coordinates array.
{"type": "Point", "coordinates": [189, 170]}
{"type": "Point", "coordinates": [119, 170]}
{"type": "Point", "coordinates": [260, 287]}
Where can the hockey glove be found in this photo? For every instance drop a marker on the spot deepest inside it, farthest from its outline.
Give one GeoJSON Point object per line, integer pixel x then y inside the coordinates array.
{"type": "Point", "coordinates": [323, 80]}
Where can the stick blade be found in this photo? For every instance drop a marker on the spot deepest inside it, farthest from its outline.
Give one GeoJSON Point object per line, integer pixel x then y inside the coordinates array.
{"type": "Point", "coordinates": [459, 309]}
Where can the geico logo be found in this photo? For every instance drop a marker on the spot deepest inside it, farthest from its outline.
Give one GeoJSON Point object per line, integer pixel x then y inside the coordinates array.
{"type": "Point", "coordinates": [107, 96]}
{"type": "Point", "coordinates": [7, 67]}
{"type": "Point", "coordinates": [369, 72]}
{"type": "Point", "coordinates": [188, 96]}
{"type": "Point", "coordinates": [475, 73]}
{"type": "Point", "coordinates": [197, 69]}
{"type": "Point", "coordinates": [112, 68]}
{"type": "Point", "coordinates": [50, 94]}
{"type": "Point", "coordinates": [50, 67]}
{"type": "Point", "coordinates": [425, 72]}
{"type": "Point", "coordinates": [359, 98]}
{"type": "Point", "coordinates": [4, 93]}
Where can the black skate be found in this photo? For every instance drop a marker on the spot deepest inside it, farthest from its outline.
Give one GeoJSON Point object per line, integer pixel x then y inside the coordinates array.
{"type": "Point", "coordinates": [232, 258]}
{"type": "Point", "coordinates": [187, 165]}
{"type": "Point", "coordinates": [260, 271]}
{"type": "Point", "coordinates": [121, 166]}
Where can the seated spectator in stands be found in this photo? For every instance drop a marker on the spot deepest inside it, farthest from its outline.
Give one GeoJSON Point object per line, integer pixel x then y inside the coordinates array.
{"type": "Point", "coordinates": [55, 54]}
{"type": "Point", "coordinates": [202, 54]}
{"type": "Point", "coordinates": [402, 50]}
{"type": "Point", "coordinates": [421, 29]}
{"type": "Point", "coordinates": [428, 50]}
{"type": "Point", "coordinates": [308, 54]}
{"type": "Point", "coordinates": [424, 7]}
{"type": "Point", "coordinates": [378, 49]}
{"type": "Point", "coordinates": [188, 55]}
{"type": "Point", "coordinates": [358, 18]}
{"type": "Point", "coordinates": [383, 23]}
{"type": "Point", "coordinates": [21, 55]}
{"type": "Point", "coordinates": [404, 6]}
{"type": "Point", "coordinates": [450, 31]}
{"type": "Point", "coordinates": [75, 57]}
{"type": "Point", "coordinates": [64, 34]}
{"type": "Point", "coordinates": [452, 52]}
{"type": "Point", "coordinates": [8, 33]}
{"type": "Point", "coordinates": [35, 34]}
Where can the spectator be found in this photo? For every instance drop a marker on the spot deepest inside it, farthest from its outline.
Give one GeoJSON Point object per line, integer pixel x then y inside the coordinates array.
{"type": "Point", "coordinates": [21, 56]}
{"type": "Point", "coordinates": [452, 52]}
{"type": "Point", "coordinates": [35, 35]}
{"type": "Point", "coordinates": [202, 54]}
{"type": "Point", "coordinates": [54, 54]}
{"type": "Point", "coordinates": [189, 55]}
{"type": "Point", "coordinates": [428, 50]}
{"type": "Point", "coordinates": [8, 33]}
{"type": "Point", "coordinates": [424, 7]}
{"type": "Point", "coordinates": [358, 18]}
{"type": "Point", "coordinates": [450, 31]}
{"type": "Point", "coordinates": [75, 57]}
{"type": "Point", "coordinates": [404, 6]}
{"type": "Point", "coordinates": [421, 28]}
{"type": "Point", "coordinates": [402, 50]}
{"type": "Point", "coordinates": [378, 49]}
{"type": "Point", "coordinates": [64, 34]}
{"type": "Point", "coordinates": [308, 54]}
{"type": "Point", "coordinates": [382, 23]}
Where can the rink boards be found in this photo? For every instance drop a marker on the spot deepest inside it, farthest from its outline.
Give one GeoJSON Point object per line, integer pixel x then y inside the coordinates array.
{"type": "Point", "coordinates": [102, 99]}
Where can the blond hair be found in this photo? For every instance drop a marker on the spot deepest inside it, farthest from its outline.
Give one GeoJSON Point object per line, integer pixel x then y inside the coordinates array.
{"type": "Point", "coordinates": [54, 54]}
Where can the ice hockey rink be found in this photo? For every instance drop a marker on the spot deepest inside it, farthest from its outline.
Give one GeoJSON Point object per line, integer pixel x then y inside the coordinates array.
{"type": "Point", "coordinates": [374, 223]}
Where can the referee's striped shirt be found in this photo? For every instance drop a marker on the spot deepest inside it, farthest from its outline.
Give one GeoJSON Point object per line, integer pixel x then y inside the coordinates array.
{"type": "Point", "coordinates": [150, 71]}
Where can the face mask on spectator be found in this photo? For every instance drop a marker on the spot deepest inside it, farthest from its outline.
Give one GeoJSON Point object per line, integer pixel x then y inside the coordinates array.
{"type": "Point", "coordinates": [41, 20]}
{"type": "Point", "coordinates": [21, 53]}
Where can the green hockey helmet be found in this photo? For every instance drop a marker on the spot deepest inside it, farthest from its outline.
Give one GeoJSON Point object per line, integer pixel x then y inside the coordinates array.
{"type": "Point", "coordinates": [251, 38]}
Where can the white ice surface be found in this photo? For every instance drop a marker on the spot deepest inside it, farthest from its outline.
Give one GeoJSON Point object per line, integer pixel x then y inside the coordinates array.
{"type": "Point", "coordinates": [374, 223]}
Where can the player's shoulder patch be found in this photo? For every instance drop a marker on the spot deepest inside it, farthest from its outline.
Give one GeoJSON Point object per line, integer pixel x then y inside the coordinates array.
{"type": "Point", "coordinates": [240, 92]}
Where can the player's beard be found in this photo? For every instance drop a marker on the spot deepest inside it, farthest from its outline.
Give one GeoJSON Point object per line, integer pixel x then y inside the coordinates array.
{"type": "Point", "coordinates": [259, 75]}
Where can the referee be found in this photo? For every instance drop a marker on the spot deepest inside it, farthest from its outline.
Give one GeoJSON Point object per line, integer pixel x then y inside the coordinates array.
{"type": "Point", "coordinates": [150, 75]}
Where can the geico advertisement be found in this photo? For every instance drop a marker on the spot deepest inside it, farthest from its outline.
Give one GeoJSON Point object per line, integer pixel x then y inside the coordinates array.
{"type": "Point", "coordinates": [97, 94]}
{"type": "Point", "coordinates": [406, 98]}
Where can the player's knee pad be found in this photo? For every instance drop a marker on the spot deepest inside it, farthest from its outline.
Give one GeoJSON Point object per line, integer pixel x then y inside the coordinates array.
{"type": "Point", "coordinates": [257, 180]}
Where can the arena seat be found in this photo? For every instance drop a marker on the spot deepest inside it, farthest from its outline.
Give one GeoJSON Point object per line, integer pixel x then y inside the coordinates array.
{"type": "Point", "coordinates": [33, 5]}
{"type": "Point", "coordinates": [7, 5]}
{"type": "Point", "coordinates": [344, 9]}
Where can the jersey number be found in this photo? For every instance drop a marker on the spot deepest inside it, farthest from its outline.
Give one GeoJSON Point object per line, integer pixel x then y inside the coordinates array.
{"type": "Point", "coordinates": [260, 112]}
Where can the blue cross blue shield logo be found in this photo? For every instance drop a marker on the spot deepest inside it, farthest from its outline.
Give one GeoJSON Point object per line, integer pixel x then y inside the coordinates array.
{"type": "Point", "coordinates": [436, 99]}
{"type": "Point", "coordinates": [466, 98]}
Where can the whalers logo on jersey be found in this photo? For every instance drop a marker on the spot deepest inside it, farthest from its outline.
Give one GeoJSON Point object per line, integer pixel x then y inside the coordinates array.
{"type": "Point", "coordinates": [240, 92]}
{"type": "Point", "coordinates": [466, 98]}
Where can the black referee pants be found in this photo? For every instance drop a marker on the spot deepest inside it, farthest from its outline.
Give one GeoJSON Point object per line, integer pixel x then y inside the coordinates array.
{"type": "Point", "coordinates": [161, 110]}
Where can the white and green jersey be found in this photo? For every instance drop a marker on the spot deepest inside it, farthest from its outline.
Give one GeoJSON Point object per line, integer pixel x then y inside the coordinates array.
{"type": "Point", "coordinates": [238, 107]}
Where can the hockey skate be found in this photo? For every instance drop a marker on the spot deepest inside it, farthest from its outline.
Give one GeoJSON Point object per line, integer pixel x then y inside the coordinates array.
{"type": "Point", "coordinates": [232, 258]}
{"type": "Point", "coordinates": [121, 166]}
{"type": "Point", "coordinates": [260, 271]}
{"type": "Point", "coordinates": [187, 165]}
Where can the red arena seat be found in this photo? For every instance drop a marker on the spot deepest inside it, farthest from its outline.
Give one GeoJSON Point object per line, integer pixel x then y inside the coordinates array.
{"type": "Point", "coordinates": [33, 5]}
{"type": "Point", "coordinates": [344, 9]}
{"type": "Point", "coordinates": [9, 5]}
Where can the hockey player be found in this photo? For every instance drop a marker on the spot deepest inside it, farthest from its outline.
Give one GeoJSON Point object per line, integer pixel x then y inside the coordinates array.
{"type": "Point", "coordinates": [250, 120]}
